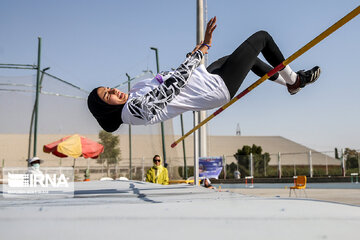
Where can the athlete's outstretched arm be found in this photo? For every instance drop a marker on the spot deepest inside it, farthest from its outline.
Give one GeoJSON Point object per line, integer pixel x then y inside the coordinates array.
{"type": "Point", "coordinates": [203, 46]}
{"type": "Point", "coordinates": [152, 103]}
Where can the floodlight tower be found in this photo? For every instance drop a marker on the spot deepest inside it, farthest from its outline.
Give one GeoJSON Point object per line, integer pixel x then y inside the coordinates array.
{"type": "Point", "coordinates": [162, 123]}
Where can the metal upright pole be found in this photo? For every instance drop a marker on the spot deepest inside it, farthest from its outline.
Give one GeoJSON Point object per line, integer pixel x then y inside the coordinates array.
{"type": "Point", "coordinates": [202, 114]}
{"type": "Point", "coordinates": [197, 117]}
{"type": "Point", "coordinates": [196, 151]}
{"type": "Point", "coordinates": [162, 123]}
{"type": "Point", "coordinates": [224, 166]}
{"type": "Point", "coordinates": [130, 142]}
{"type": "Point", "coordinates": [251, 165]}
{"type": "Point", "coordinates": [358, 158]}
{"type": "Point", "coordinates": [279, 164]}
{"type": "Point", "coordinates": [37, 96]}
{"type": "Point", "coordinates": [142, 170]}
{"type": "Point", "coordinates": [310, 164]}
{"type": "Point", "coordinates": [343, 162]}
{"type": "Point", "coordinates": [184, 150]}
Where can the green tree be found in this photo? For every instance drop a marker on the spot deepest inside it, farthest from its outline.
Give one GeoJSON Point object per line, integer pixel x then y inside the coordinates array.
{"type": "Point", "coordinates": [111, 154]}
{"type": "Point", "coordinates": [260, 160]}
{"type": "Point", "coordinates": [351, 158]}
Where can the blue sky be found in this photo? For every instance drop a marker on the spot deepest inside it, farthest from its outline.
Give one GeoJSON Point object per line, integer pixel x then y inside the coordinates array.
{"type": "Point", "coordinates": [91, 43]}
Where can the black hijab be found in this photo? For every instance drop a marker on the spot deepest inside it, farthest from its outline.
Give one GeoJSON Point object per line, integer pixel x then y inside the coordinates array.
{"type": "Point", "coordinates": [108, 116]}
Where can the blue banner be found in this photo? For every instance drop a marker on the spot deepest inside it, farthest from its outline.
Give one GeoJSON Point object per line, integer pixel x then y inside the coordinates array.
{"type": "Point", "coordinates": [210, 167]}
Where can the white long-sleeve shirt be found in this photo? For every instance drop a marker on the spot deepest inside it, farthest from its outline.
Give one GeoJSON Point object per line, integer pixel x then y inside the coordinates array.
{"type": "Point", "coordinates": [189, 88]}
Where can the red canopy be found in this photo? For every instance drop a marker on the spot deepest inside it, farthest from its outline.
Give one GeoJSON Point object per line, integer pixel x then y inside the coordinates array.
{"type": "Point", "coordinates": [74, 146]}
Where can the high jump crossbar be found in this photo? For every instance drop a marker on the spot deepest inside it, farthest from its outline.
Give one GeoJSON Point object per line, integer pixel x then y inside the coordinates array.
{"type": "Point", "coordinates": [302, 50]}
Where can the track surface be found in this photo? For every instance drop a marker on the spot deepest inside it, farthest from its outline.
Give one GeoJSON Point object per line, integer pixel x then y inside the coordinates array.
{"type": "Point", "coordinates": [137, 210]}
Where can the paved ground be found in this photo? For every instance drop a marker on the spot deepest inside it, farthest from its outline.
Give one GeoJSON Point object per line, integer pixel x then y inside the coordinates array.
{"type": "Point", "coordinates": [346, 196]}
{"type": "Point", "coordinates": [136, 210]}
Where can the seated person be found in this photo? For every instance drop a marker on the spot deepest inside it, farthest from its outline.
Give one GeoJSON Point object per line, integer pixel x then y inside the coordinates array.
{"type": "Point", "coordinates": [34, 165]}
{"type": "Point", "coordinates": [207, 184]}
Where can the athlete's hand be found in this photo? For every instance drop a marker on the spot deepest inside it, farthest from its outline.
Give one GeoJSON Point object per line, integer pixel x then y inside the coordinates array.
{"type": "Point", "coordinates": [209, 31]}
{"type": "Point", "coordinates": [204, 45]}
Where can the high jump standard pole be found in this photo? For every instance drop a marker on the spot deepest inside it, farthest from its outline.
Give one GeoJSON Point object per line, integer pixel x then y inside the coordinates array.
{"type": "Point", "coordinates": [302, 50]}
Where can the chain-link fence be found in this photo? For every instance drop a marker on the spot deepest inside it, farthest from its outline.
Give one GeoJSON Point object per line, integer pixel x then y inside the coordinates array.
{"type": "Point", "coordinates": [311, 164]}
{"type": "Point", "coordinates": [277, 165]}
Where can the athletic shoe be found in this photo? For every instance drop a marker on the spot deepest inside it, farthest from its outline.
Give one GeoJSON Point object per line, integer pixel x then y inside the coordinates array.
{"type": "Point", "coordinates": [303, 79]}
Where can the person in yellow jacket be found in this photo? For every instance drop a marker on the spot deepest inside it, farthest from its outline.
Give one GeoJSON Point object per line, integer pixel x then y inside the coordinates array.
{"type": "Point", "coordinates": [157, 173]}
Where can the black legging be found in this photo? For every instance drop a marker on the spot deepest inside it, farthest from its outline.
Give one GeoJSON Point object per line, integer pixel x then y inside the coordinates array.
{"type": "Point", "coordinates": [234, 68]}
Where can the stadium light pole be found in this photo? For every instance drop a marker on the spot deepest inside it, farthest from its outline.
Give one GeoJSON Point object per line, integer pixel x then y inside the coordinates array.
{"type": "Point", "coordinates": [37, 95]}
{"type": "Point", "coordinates": [162, 123]}
{"type": "Point", "coordinates": [33, 113]}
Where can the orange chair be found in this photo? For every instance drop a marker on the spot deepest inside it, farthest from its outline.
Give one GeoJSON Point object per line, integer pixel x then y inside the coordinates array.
{"type": "Point", "coordinates": [300, 183]}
